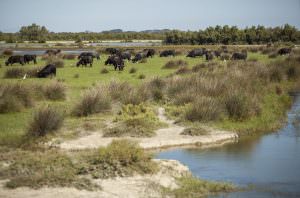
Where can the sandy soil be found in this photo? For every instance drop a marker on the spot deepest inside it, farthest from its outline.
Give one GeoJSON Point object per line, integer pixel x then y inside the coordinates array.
{"type": "Point", "coordinates": [133, 187]}
{"type": "Point", "coordinates": [166, 137]}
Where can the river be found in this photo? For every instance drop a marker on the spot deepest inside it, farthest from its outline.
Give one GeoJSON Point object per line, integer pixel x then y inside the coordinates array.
{"type": "Point", "coordinates": [268, 165]}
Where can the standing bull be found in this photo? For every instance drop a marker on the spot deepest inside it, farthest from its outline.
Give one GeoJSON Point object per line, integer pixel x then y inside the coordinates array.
{"type": "Point", "coordinates": [15, 59]}
{"type": "Point", "coordinates": [28, 58]}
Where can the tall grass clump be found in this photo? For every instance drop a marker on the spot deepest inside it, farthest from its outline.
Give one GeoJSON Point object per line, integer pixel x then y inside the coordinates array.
{"type": "Point", "coordinates": [69, 56]}
{"type": "Point", "coordinates": [120, 158]}
{"type": "Point", "coordinates": [204, 109]}
{"type": "Point", "coordinates": [58, 62]}
{"type": "Point", "coordinates": [15, 97]}
{"type": "Point", "coordinates": [7, 52]}
{"type": "Point", "coordinates": [45, 120]}
{"type": "Point", "coordinates": [20, 72]}
{"type": "Point", "coordinates": [174, 64]}
{"type": "Point", "coordinates": [94, 100]}
{"type": "Point", "coordinates": [55, 91]}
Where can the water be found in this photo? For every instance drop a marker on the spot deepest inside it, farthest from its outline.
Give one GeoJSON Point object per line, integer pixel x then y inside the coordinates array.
{"type": "Point", "coordinates": [270, 164]}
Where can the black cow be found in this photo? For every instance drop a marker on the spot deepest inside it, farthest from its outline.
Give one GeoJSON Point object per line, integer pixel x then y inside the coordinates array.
{"type": "Point", "coordinates": [93, 55]}
{"type": "Point", "coordinates": [28, 58]}
{"type": "Point", "coordinates": [239, 56]}
{"type": "Point", "coordinates": [125, 55]}
{"type": "Point", "coordinates": [85, 60]}
{"type": "Point", "coordinates": [196, 52]}
{"type": "Point", "coordinates": [46, 71]}
{"type": "Point", "coordinates": [217, 53]}
{"type": "Point", "coordinates": [112, 50]}
{"type": "Point", "coordinates": [209, 56]}
{"type": "Point", "coordinates": [138, 57]}
{"type": "Point", "coordinates": [116, 61]}
{"type": "Point", "coordinates": [284, 51]}
{"type": "Point", "coordinates": [15, 59]}
{"type": "Point", "coordinates": [167, 53]}
{"type": "Point", "coordinates": [149, 52]}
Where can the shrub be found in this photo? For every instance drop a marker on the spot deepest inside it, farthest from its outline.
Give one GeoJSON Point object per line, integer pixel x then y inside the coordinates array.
{"type": "Point", "coordinates": [134, 121]}
{"type": "Point", "coordinates": [183, 70]}
{"type": "Point", "coordinates": [276, 74]}
{"type": "Point", "coordinates": [14, 97]}
{"type": "Point", "coordinates": [132, 70]}
{"type": "Point", "coordinates": [58, 62]}
{"type": "Point", "coordinates": [48, 168]}
{"type": "Point", "coordinates": [198, 67]}
{"type": "Point", "coordinates": [193, 187]}
{"type": "Point", "coordinates": [55, 91]}
{"type": "Point", "coordinates": [104, 71]}
{"type": "Point", "coordinates": [120, 158]}
{"type": "Point", "coordinates": [118, 90]}
{"type": "Point", "coordinates": [173, 64]}
{"type": "Point", "coordinates": [20, 72]}
{"type": "Point", "coordinates": [69, 56]}
{"type": "Point", "coordinates": [7, 52]}
{"type": "Point", "coordinates": [203, 109]}
{"type": "Point", "coordinates": [45, 119]}
{"type": "Point", "coordinates": [237, 106]}
{"type": "Point", "coordinates": [95, 100]}
{"type": "Point", "coordinates": [142, 76]}
{"type": "Point", "coordinates": [292, 72]}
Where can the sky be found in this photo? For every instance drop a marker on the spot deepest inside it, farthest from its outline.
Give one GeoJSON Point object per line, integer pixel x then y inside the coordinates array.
{"type": "Point", "coordinates": [136, 15]}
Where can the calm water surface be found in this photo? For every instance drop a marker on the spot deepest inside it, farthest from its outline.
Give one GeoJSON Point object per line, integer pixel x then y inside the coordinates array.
{"type": "Point", "coordinates": [270, 164]}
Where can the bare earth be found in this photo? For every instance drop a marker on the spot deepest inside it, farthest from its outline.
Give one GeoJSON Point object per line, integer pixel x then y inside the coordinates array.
{"type": "Point", "coordinates": [166, 137]}
{"type": "Point", "coordinates": [133, 187]}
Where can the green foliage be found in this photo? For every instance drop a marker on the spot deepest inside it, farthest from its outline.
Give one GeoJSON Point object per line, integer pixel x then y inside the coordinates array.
{"type": "Point", "coordinates": [134, 121]}
{"type": "Point", "coordinates": [33, 32]}
{"type": "Point", "coordinates": [192, 187]}
{"type": "Point", "coordinates": [120, 158]}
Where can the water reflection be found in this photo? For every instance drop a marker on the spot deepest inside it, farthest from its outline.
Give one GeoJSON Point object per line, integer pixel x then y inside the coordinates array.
{"type": "Point", "coordinates": [270, 163]}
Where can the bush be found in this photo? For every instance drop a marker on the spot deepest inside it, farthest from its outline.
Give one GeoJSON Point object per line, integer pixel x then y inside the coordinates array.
{"type": "Point", "coordinates": [292, 72]}
{"type": "Point", "coordinates": [183, 70]}
{"type": "Point", "coordinates": [276, 74]}
{"type": "Point", "coordinates": [15, 97]}
{"type": "Point", "coordinates": [55, 91]}
{"type": "Point", "coordinates": [237, 106]}
{"type": "Point", "coordinates": [173, 64]}
{"type": "Point", "coordinates": [7, 52]}
{"type": "Point", "coordinates": [198, 67]}
{"type": "Point", "coordinates": [69, 56]}
{"type": "Point", "coordinates": [45, 119]}
{"type": "Point", "coordinates": [144, 60]}
{"type": "Point", "coordinates": [204, 109]}
{"type": "Point", "coordinates": [134, 121]}
{"type": "Point", "coordinates": [95, 100]}
{"type": "Point", "coordinates": [132, 70]}
{"type": "Point", "coordinates": [142, 76]}
{"type": "Point", "coordinates": [58, 62]}
{"type": "Point", "coordinates": [120, 158]}
{"type": "Point", "coordinates": [20, 72]}
{"type": "Point", "coordinates": [104, 71]}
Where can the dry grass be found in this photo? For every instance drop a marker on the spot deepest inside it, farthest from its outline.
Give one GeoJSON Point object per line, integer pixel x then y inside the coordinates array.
{"type": "Point", "coordinates": [55, 91]}
{"type": "Point", "coordinates": [174, 64]}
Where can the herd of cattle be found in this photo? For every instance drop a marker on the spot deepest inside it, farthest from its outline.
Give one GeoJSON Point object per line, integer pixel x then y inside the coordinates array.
{"type": "Point", "coordinates": [117, 57]}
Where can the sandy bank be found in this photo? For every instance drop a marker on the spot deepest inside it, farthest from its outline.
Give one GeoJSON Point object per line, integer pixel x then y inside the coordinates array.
{"type": "Point", "coordinates": [166, 137]}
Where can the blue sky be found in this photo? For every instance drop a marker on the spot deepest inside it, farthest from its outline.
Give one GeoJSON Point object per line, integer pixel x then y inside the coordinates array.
{"type": "Point", "coordinates": [99, 15]}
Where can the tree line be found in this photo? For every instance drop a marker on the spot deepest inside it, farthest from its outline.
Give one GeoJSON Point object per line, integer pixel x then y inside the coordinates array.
{"type": "Point", "coordinates": [211, 35]}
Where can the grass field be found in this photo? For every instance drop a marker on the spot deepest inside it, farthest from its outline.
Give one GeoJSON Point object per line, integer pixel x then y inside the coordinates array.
{"type": "Point", "coordinates": [77, 79]}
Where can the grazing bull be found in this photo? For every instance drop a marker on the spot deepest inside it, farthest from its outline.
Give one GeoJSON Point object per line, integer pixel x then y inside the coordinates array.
{"type": "Point", "coordinates": [85, 60]}
{"type": "Point", "coordinates": [196, 52]}
{"type": "Point", "coordinates": [284, 51]}
{"type": "Point", "coordinates": [116, 61]}
{"type": "Point", "coordinates": [167, 53]}
{"type": "Point", "coordinates": [28, 58]}
{"type": "Point", "coordinates": [125, 55]}
{"type": "Point", "coordinates": [239, 56]}
{"type": "Point", "coordinates": [15, 59]}
{"type": "Point", "coordinates": [149, 52]}
{"type": "Point", "coordinates": [47, 71]}
{"type": "Point", "coordinates": [138, 57]}
{"type": "Point", "coordinates": [209, 56]}
{"type": "Point", "coordinates": [112, 50]}
{"type": "Point", "coordinates": [93, 55]}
